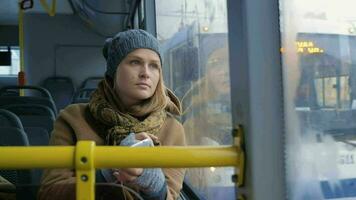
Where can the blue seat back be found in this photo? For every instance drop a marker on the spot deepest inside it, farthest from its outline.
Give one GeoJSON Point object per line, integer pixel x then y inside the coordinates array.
{"type": "Point", "coordinates": [37, 136]}
{"type": "Point", "coordinates": [91, 82]}
{"type": "Point", "coordinates": [7, 100]}
{"type": "Point", "coordinates": [45, 99]}
{"type": "Point", "coordinates": [83, 95]}
{"type": "Point", "coordinates": [12, 134]}
{"type": "Point", "coordinates": [33, 115]}
{"type": "Point", "coordinates": [9, 119]}
{"type": "Point", "coordinates": [62, 90]}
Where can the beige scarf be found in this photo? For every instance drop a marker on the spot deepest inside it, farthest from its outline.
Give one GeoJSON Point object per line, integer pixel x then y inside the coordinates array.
{"type": "Point", "coordinates": [117, 123]}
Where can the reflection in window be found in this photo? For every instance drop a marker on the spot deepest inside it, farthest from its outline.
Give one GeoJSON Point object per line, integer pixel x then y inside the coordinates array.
{"type": "Point", "coordinates": [344, 90]}
{"type": "Point", "coordinates": [333, 92]}
{"type": "Point", "coordinates": [194, 38]}
{"type": "Point", "coordinates": [330, 92]}
{"type": "Point", "coordinates": [319, 84]}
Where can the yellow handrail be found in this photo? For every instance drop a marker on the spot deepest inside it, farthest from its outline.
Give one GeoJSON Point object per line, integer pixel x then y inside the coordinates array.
{"type": "Point", "coordinates": [21, 39]}
{"type": "Point", "coordinates": [36, 157]}
{"type": "Point", "coordinates": [106, 157]}
{"type": "Point", "coordinates": [51, 11]}
{"type": "Point", "coordinates": [85, 157]}
{"type": "Point", "coordinates": [20, 157]}
{"type": "Point", "coordinates": [22, 46]}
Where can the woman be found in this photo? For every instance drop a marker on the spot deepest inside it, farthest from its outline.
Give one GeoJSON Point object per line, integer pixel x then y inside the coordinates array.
{"type": "Point", "coordinates": [207, 104]}
{"type": "Point", "coordinates": [208, 118]}
{"type": "Point", "coordinates": [131, 104]}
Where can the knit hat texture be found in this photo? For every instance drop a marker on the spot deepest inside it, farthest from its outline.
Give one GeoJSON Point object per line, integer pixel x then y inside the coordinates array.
{"type": "Point", "coordinates": [123, 43]}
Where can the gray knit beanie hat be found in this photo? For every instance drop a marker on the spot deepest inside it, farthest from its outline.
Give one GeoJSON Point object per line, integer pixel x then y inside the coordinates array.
{"type": "Point", "coordinates": [123, 43]}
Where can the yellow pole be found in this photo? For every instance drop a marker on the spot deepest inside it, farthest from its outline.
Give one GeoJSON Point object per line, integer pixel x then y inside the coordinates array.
{"type": "Point", "coordinates": [21, 43]}
{"type": "Point", "coordinates": [108, 157]}
{"type": "Point", "coordinates": [21, 39]}
{"type": "Point", "coordinates": [20, 157]}
{"type": "Point", "coordinates": [51, 11]}
{"type": "Point", "coordinates": [85, 157]}
{"type": "Point", "coordinates": [85, 171]}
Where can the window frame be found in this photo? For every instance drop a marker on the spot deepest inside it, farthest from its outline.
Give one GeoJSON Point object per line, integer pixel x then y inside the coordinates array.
{"type": "Point", "coordinates": [257, 94]}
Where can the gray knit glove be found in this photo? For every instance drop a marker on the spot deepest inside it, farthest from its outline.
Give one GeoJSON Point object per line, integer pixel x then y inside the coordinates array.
{"type": "Point", "coordinates": [152, 179]}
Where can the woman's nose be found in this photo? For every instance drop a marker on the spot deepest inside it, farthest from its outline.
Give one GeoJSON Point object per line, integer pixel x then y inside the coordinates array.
{"type": "Point", "coordinates": [144, 72]}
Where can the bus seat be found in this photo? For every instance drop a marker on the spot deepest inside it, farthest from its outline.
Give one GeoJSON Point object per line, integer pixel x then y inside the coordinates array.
{"type": "Point", "coordinates": [6, 100]}
{"type": "Point", "coordinates": [9, 119]}
{"type": "Point", "coordinates": [91, 82]}
{"type": "Point", "coordinates": [10, 93]}
{"type": "Point", "coordinates": [12, 134]}
{"type": "Point", "coordinates": [83, 95]}
{"type": "Point", "coordinates": [36, 119]}
{"type": "Point", "coordinates": [45, 99]}
{"type": "Point", "coordinates": [11, 88]}
{"type": "Point", "coordinates": [62, 90]}
{"type": "Point", "coordinates": [11, 130]}
{"type": "Point", "coordinates": [37, 136]}
{"type": "Point", "coordinates": [33, 115]}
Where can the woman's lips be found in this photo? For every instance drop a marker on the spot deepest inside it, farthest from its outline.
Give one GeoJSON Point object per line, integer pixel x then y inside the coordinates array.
{"type": "Point", "coordinates": [144, 85]}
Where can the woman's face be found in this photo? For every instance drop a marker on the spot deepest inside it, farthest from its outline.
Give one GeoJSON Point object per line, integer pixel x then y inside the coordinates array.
{"type": "Point", "coordinates": [137, 76]}
{"type": "Point", "coordinates": [218, 71]}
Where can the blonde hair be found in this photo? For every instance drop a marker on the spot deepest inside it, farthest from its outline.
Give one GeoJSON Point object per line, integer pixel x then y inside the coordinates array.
{"type": "Point", "coordinates": [199, 93]}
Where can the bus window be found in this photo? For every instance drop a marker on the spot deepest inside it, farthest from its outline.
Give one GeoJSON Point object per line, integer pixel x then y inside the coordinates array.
{"type": "Point", "coordinates": [194, 39]}
{"type": "Point", "coordinates": [320, 84]}
{"type": "Point", "coordinates": [14, 68]}
{"type": "Point", "coordinates": [327, 92]}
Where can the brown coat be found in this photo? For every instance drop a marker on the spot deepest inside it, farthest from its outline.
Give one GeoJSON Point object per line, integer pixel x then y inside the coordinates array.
{"type": "Point", "coordinates": [73, 124]}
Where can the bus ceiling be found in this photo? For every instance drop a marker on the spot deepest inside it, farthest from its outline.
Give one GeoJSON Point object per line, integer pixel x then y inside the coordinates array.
{"type": "Point", "coordinates": [104, 17]}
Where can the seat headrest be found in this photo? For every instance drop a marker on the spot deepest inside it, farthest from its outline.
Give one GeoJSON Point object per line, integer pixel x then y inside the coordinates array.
{"type": "Point", "coordinates": [9, 119]}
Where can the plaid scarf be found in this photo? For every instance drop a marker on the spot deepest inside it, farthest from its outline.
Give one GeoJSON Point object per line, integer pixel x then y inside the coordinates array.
{"type": "Point", "coordinates": [115, 122]}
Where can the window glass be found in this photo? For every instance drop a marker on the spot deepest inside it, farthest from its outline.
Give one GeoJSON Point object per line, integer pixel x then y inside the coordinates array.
{"type": "Point", "coordinates": [330, 91]}
{"type": "Point", "coordinates": [319, 65]}
{"type": "Point", "coordinates": [319, 84]}
{"type": "Point", "coordinates": [14, 68]}
{"type": "Point", "coordinates": [344, 92]}
{"type": "Point", "coordinates": [195, 45]}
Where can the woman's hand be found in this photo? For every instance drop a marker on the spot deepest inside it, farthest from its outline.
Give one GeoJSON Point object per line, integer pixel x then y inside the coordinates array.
{"type": "Point", "coordinates": [128, 174]}
{"type": "Point", "coordinates": [131, 174]}
{"type": "Point", "coordinates": [144, 135]}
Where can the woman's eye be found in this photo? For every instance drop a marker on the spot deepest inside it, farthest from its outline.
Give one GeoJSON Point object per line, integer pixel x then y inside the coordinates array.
{"type": "Point", "coordinates": [135, 62]}
{"type": "Point", "coordinates": [154, 66]}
